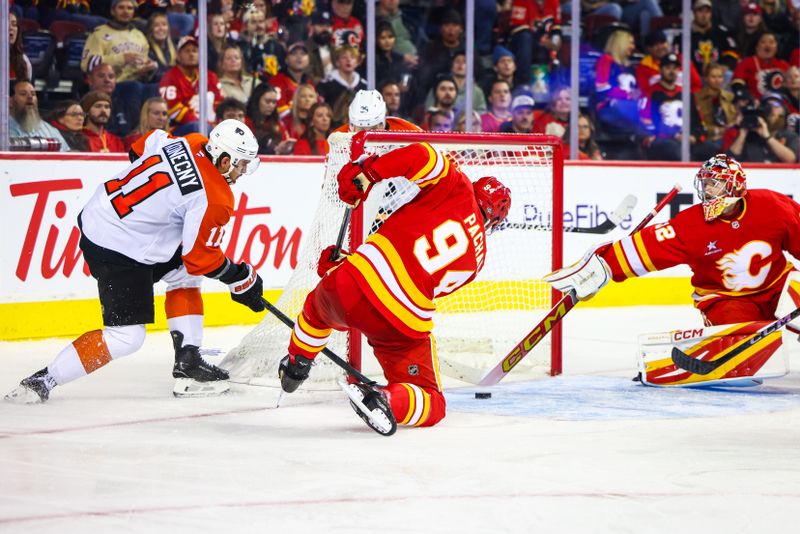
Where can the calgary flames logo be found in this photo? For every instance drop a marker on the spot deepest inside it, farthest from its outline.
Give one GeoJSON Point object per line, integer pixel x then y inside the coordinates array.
{"type": "Point", "coordinates": [736, 266]}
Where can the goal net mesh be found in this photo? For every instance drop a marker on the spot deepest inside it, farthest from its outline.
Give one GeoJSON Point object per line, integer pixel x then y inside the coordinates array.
{"type": "Point", "coordinates": [475, 326]}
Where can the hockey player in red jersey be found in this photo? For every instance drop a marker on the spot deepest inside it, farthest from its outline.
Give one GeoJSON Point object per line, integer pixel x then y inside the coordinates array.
{"type": "Point", "coordinates": [430, 247]}
{"type": "Point", "coordinates": [162, 218]}
{"type": "Point", "coordinates": [733, 241]}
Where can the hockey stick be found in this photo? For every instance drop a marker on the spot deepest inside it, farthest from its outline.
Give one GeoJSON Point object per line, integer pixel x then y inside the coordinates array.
{"type": "Point", "coordinates": [556, 313]}
{"type": "Point", "coordinates": [704, 367]}
{"type": "Point", "coordinates": [340, 238]}
{"type": "Point", "coordinates": [614, 219]}
{"type": "Point", "coordinates": [349, 369]}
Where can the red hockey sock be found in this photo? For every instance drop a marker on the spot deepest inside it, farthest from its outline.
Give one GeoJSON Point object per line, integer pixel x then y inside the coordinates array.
{"type": "Point", "coordinates": [413, 405]}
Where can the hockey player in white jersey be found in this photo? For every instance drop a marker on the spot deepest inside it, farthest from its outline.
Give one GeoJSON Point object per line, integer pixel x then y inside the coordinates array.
{"type": "Point", "coordinates": [162, 218]}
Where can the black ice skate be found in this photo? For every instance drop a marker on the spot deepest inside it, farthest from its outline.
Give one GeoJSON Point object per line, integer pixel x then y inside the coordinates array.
{"type": "Point", "coordinates": [195, 376]}
{"type": "Point", "coordinates": [293, 373]}
{"type": "Point", "coordinates": [372, 406]}
{"type": "Point", "coordinates": [33, 390]}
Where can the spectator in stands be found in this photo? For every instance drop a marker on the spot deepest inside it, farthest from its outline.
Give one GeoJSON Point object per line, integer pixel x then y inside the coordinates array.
{"type": "Point", "coordinates": [79, 11]}
{"type": "Point", "coordinates": [615, 86]}
{"type": "Point", "coordinates": [179, 87]}
{"type": "Point", "coordinates": [637, 14]}
{"type": "Point", "coordinates": [445, 93]}
{"type": "Point", "coordinates": [791, 98]}
{"type": "Point", "coordinates": [555, 120]}
{"type": "Point", "coordinates": [534, 34]}
{"type": "Point", "coordinates": [776, 16]}
{"type": "Point", "coordinates": [728, 14]}
{"type": "Point", "coordinates": [341, 86]}
{"type": "Point", "coordinates": [594, 7]}
{"type": "Point", "coordinates": [521, 115]}
{"type": "Point", "coordinates": [505, 67]}
{"type": "Point", "coordinates": [263, 53]}
{"type": "Point", "coordinates": [103, 77]}
{"type": "Point", "coordinates": [179, 19]}
{"type": "Point", "coordinates": [295, 121]}
{"type": "Point", "coordinates": [344, 24]}
{"type": "Point", "coordinates": [230, 108]}
{"type": "Point", "coordinates": [97, 107]}
{"type": "Point", "coordinates": [320, 50]}
{"type": "Point", "coordinates": [162, 49]}
{"type": "Point", "coordinates": [499, 107]}
{"type": "Point", "coordinates": [439, 53]}
{"type": "Point", "coordinates": [262, 110]}
{"type": "Point", "coordinates": [440, 121]}
{"type": "Point", "coordinates": [68, 117]}
{"type": "Point", "coordinates": [461, 122]}
{"type": "Point", "coordinates": [24, 119]}
{"type": "Point", "coordinates": [716, 107]}
{"type": "Point", "coordinates": [587, 146]}
{"type": "Point", "coordinates": [19, 65]}
{"type": "Point", "coordinates": [217, 38]}
{"type": "Point", "coordinates": [711, 43]}
{"type": "Point", "coordinates": [389, 65]}
{"type": "Point", "coordinates": [234, 80]}
{"type": "Point", "coordinates": [393, 96]}
{"type": "Point", "coordinates": [665, 113]}
{"type": "Point", "coordinates": [458, 73]}
{"type": "Point", "coordinates": [154, 116]}
{"type": "Point", "coordinates": [314, 142]}
{"type": "Point", "coordinates": [648, 69]}
{"type": "Point", "coordinates": [761, 135]}
{"type": "Point", "coordinates": [751, 29]}
{"type": "Point", "coordinates": [762, 72]}
{"type": "Point", "coordinates": [291, 76]}
{"type": "Point", "coordinates": [404, 33]}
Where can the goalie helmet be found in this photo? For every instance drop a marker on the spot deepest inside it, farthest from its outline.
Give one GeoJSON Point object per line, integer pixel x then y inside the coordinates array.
{"type": "Point", "coordinates": [367, 110]}
{"type": "Point", "coordinates": [494, 200]}
{"type": "Point", "coordinates": [719, 183]}
{"type": "Point", "coordinates": [233, 138]}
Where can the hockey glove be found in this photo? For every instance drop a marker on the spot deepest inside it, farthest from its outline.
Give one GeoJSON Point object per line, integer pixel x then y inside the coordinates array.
{"type": "Point", "coordinates": [355, 180]}
{"type": "Point", "coordinates": [247, 288]}
{"type": "Point", "coordinates": [326, 263]}
{"type": "Point", "coordinates": [586, 277]}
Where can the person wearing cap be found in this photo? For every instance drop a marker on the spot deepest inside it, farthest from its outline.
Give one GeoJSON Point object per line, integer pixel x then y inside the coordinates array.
{"type": "Point", "coordinates": [761, 72]}
{"type": "Point", "coordinates": [120, 44]}
{"type": "Point", "coordinates": [235, 81]}
{"type": "Point", "coordinates": [179, 87]}
{"type": "Point", "coordinates": [318, 44]}
{"type": "Point", "coordinates": [504, 67]}
{"type": "Point", "coordinates": [290, 77]}
{"type": "Point", "coordinates": [648, 70]}
{"type": "Point", "coordinates": [97, 107]}
{"type": "Point", "coordinates": [711, 43]}
{"type": "Point", "coordinates": [344, 23]}
{"type": "Point", "coordinates": [439, 53]}
{"type": "Point", "coordinates": [766, 139]}
{"type": "Point", "coordinates": [521, 115]}
{"type": "Point", "coordinates": [751, 28]}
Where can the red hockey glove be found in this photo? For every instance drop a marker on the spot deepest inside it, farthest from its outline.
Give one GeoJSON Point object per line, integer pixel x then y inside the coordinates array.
{"type": "Point", "coordinates": [355, 180]}
{"type": "Point", "coordinates": [326, 263]}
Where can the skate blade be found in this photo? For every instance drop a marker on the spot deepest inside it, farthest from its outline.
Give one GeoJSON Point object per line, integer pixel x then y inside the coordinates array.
{"type": "Point", "coordinates": [186, 387]}
{"type": "Point", "coordinates": [377, 419]}
{"type": "Point", "coordinates": [23, 395]}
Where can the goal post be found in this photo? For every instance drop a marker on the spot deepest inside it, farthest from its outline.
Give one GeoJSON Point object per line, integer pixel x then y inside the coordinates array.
{"type": "Point", "coordinates": [476, 324]}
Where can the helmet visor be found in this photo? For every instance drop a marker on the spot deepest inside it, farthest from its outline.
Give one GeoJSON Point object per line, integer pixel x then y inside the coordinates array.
{"type": "Point", "coordinates": [247, 167]}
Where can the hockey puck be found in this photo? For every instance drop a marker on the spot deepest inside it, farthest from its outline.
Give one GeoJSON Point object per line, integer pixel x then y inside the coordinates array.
{"type": "Point", "coordinates": [483, 395]}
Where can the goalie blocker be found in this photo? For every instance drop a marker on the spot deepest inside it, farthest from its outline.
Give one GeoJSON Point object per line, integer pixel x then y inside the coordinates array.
{"type": "Point", "coordinates": [765, 359]}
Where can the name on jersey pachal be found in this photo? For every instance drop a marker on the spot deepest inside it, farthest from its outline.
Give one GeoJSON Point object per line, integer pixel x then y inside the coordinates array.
{"type": "Point", "coordinates": [183, 168]}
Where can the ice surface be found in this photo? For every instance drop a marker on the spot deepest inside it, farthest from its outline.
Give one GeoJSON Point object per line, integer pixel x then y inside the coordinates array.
{"type": "Point", "coordinates": [587, 452]}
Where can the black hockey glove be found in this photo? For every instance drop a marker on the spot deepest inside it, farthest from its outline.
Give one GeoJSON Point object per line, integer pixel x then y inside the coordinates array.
{"type": "Point", "coordinates": [244, 283]}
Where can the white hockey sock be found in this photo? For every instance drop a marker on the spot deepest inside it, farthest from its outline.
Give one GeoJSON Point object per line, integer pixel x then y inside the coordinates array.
{"type": "Point", "coordinates": [191, 326]}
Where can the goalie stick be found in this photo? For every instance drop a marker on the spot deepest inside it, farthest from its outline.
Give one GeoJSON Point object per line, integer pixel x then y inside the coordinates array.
{"type": "Point", "coordinates": [556, 313]}
{"type": "Point", "coordinates": [704, 367]}
{"type": "Point", "coordinates": [614, 219]}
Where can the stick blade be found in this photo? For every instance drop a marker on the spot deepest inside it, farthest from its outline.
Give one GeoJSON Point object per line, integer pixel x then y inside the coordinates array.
{"type": "Point", "coordinates": [624, 209]}
{"type": "Point", "coordinates": [693, 365]}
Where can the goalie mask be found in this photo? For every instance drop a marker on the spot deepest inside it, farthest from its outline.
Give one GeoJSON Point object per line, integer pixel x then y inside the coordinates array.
{"type": "Point", "coordinates": [494, 200]}
{"type": "Point", "coordinates": [367, 111]}
{"type": "Point", "coordinates": [234, 139]}
{"type": "Point", "coordinates": [719, 183]}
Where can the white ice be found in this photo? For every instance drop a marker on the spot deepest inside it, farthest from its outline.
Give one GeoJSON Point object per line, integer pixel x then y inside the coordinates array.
{"type": "Point", "coordinates": [587, 452]}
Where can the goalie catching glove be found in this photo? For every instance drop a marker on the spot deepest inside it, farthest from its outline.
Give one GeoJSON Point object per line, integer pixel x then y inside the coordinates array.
{"type": "Point", "coordinates": [243, 282]}
{"type": "Point", "coordinates": [356, 179]}
{"type": "Point", "coordinates": [586, 277]}
{"type": "Point", "coordinates": [326, 262]}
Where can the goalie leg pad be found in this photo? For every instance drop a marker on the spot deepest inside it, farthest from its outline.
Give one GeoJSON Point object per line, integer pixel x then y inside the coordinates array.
{"type": "Point", "coordinates": [710, 343]}
{"type": "Point", "coordinates": [790, 300]}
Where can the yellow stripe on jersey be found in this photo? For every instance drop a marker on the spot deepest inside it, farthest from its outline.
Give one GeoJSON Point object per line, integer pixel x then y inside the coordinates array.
{"type": "Point", "coordinates": [400, 272]}
{"type": "Point", "coordinates": [426, 409]}
{"type": "Point", "coordinates": [705, 292]}
{"type": "Point", "coordinates": [306, 347]}
{"type": "Point", "coordinates": [622, 260]}
{"type": "Point", "coordinates": [640, 248]}
{"type": "Point", "coordinates": [438, 177]}
{"type": "Point", "coordinates": [435, 363]}
{"type": "Point", "coordinates": [411, 403]}
{"type": "Point", "coordinates": [387, 298]}
{"type": "Point", "coordinates": [432, 158]}
{"type": "Point", "coordinates": [310, 330]}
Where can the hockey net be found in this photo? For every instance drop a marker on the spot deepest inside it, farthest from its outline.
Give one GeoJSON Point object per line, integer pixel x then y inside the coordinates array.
{"type": "Point", "coordinates": [481, 322]}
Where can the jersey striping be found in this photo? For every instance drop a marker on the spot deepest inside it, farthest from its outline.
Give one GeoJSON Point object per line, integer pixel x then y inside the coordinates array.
{"type": "Point", "coordinates": [171, 195]}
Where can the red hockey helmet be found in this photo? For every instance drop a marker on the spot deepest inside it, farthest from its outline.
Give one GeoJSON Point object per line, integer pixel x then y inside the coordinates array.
{"type": "Point", "coordinates": [494, 200]}
{"type": "Point", "coordinates": [719, 183]}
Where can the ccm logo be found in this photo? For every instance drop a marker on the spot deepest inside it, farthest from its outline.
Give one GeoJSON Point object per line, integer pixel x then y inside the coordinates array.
{"type": "Point", "coordinates": [687, 334]}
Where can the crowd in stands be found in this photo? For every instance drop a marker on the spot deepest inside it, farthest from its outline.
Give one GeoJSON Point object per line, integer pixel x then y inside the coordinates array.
{"type": "Point", "coordinates": [97, 75]}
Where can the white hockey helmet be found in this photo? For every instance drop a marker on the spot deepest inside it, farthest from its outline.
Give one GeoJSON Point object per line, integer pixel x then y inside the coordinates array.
{"type": "Point", "coordinates": [367, 110]}
{"type": "Point", "coordinates": [235, 139]}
